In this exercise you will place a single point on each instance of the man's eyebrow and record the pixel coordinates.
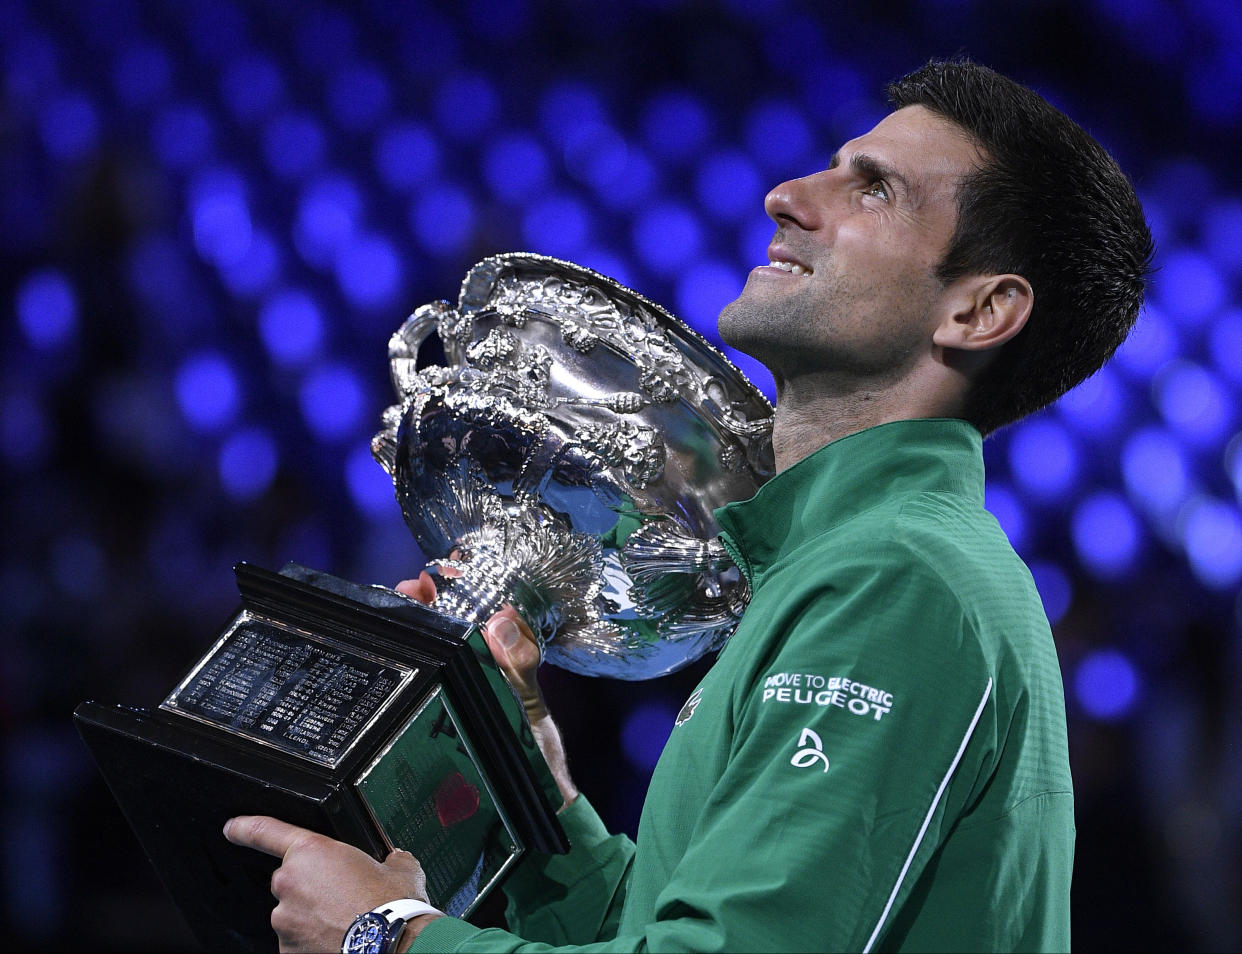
(873, 168)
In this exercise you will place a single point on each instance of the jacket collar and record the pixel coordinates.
(847, 477)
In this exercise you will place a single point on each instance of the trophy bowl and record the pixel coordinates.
(567, 459)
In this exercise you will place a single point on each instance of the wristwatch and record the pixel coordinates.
(377, 931)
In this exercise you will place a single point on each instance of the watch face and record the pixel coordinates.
(367, 935)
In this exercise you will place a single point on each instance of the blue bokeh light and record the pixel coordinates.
(1185, 187)
(252, 86)
(702, 290)
(778, 136)
(70, 126)
(359, 97)
(368, 271)
(1107, 535)
(466, 106)
(676, 125)
(291, 326)
(25, 432)
(47, 309)
(596, 154)
(32, 63)
(1150, 345)
(1222, 233)
(370, 487)
(294, 144)
(1188, 287)
(220, 216)
(557, 225)
(443, 220)
(208, 390)
(1212, 533)
(1043, 458)
(667, 236)
(1193, 402)
(327, 218)
(754, 241)
(182, 136)
(728, 185)
(1006, 506)
(142, 74)
(568, 107)
(1225, 344)
(1156, 472)
(406, 153)
(634, 187)
(1098, 406)
(333, 401)
(515, 167)
(256, 269)
(644, 733)
(1056, 589)
(1107, 685)
(247, 463)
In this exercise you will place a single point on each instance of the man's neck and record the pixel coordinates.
(802, 424)
(800, 432)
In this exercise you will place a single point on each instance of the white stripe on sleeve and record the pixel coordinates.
(970, 730)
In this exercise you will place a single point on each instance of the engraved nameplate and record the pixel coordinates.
(304, 694)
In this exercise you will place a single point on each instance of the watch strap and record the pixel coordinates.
(406, 909)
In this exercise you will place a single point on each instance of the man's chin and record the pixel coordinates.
(744, 326)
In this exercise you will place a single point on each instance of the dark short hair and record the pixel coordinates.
(1048, 204)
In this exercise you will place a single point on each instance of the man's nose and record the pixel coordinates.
(793, 202)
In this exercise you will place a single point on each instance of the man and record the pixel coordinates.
(877, 760)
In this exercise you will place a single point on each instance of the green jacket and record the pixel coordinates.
(877, 760)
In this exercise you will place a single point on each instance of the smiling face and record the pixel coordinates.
(849, 298)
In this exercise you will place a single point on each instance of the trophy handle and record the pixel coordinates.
(404, 344)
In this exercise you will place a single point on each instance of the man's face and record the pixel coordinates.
(850, 289)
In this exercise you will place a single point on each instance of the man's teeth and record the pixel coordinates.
(790, 267)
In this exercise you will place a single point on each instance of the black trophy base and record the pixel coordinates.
(343, 709)
(177, 799)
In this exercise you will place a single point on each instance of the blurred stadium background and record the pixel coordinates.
(213, 213)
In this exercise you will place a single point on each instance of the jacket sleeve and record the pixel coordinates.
(574, 898)
(836, 794)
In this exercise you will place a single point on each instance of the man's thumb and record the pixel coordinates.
(401, 859)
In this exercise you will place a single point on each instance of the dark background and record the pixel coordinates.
(213, 214)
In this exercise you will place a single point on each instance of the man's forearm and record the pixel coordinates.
(548, 737)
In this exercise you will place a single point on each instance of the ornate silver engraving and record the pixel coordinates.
(567, 459)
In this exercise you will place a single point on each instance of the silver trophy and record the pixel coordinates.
(567, 459)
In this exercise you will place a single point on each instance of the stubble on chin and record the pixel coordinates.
(776, 335)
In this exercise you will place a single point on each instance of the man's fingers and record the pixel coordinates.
(422, 589)
(264, 833)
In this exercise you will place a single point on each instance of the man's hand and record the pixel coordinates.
(323, 884)
(514, 647)
(508, 637)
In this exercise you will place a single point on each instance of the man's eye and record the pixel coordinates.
(878, 189)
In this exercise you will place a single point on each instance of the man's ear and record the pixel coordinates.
(984, 311)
